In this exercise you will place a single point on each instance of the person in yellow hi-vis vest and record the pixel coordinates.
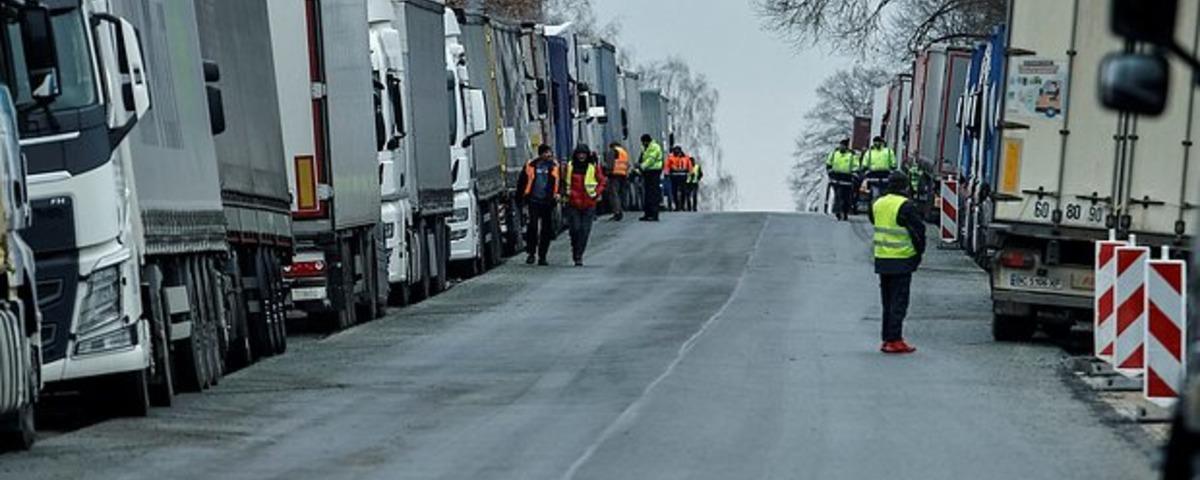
(899, 245)
(585, 187)
(840, 166)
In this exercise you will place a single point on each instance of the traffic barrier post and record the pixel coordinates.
(949, 208)
(1166, 327)
(1130, 294)
(1104, 329)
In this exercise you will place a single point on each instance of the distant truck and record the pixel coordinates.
(939, 76)
(1070, 171)
(20, 318)
(979, 119)
(325, 102)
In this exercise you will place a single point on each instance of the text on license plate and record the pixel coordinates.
(308, 294)
(1017, 280)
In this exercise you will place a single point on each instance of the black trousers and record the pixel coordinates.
(679, 191)
(539, 232)
(843, 200)
(894, 290)
(616, 194)
(652, 188)
(691, 197)
(579, 223)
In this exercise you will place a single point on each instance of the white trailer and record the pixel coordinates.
(1069, 170)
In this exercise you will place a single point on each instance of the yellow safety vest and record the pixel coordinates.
(880, 160)
(891, 240)
(694, 175)
(590, 183)
(841, 162)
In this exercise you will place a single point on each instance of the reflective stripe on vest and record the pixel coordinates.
(621, 164)
(892, 241)
(589, 179)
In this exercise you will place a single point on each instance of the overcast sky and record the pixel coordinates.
(765, 86)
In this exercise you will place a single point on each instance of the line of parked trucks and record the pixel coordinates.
(181, 176)
(1044, 170)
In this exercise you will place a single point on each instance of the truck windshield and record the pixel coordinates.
(75, 62)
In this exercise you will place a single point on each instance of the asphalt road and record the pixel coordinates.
(735, 346)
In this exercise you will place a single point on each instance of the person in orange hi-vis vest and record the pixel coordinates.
(677, 168)
(618, 180)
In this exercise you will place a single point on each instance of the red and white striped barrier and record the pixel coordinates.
(1130, 294)
(1166, 327)
(1104, 329)
(949, 210)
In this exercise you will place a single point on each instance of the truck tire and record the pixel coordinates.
(1008, 328)
(278, 303)
(367, 309)
(399, 296)
(17, 430)
(1182, 452)
(442, 239)
(162, 385)
(129, 395)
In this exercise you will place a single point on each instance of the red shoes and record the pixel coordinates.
(898, 347)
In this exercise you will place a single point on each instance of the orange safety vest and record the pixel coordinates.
(531, 174)
(621, 164)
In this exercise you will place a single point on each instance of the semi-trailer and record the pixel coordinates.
(1069, 171)
(320, 50)
(20, 318)
(633, 127)
(255, 194)
(938, 77)
(514, 114)
(979, 121)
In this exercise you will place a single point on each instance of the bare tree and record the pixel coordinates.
(840, 98)
(693, 110)
(889, 30)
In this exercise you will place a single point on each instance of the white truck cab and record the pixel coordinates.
(87, 237)
(470, 112)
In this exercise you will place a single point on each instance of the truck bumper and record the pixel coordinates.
(1041, 299)
(74, 367)
(464, 230)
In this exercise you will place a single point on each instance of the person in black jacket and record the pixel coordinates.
(899, 246)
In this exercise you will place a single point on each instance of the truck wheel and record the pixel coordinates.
(443, 258)
(131, 395)
(277, 293)
(162, 383)
(366, 307)
(1008, 328)
(1182, 452)
(399, 296)
(17, 430)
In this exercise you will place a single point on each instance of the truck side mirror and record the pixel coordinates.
(216, 110)
(477, 103)
(1135, 83)
(41, 53)
(1145, 21)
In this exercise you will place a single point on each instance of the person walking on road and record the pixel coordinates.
(651, 166)
(618, 181)
(899, 246)
(678, 166)
(540, 183)
(840, 166)
(693, 186)
(585, 187)
(879, 162)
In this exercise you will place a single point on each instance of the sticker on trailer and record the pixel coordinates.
(1129, 350)
(1166, 327)
(1104, 301)
(1037, 88)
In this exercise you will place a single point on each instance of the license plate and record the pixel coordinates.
(1017, 280)
(308, 294)
(1083, 281)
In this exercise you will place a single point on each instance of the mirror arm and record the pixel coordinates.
(1192, 62)
(117, 135)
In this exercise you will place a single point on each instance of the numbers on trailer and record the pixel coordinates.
(1095, 214)
(1041, 209)
(1074, 211)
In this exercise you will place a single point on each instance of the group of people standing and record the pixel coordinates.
(586, 181)
(846, 168)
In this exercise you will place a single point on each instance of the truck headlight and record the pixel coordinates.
(102, 304)
(119, 338)
(456, 235)
(460, 215)
(389, 231)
